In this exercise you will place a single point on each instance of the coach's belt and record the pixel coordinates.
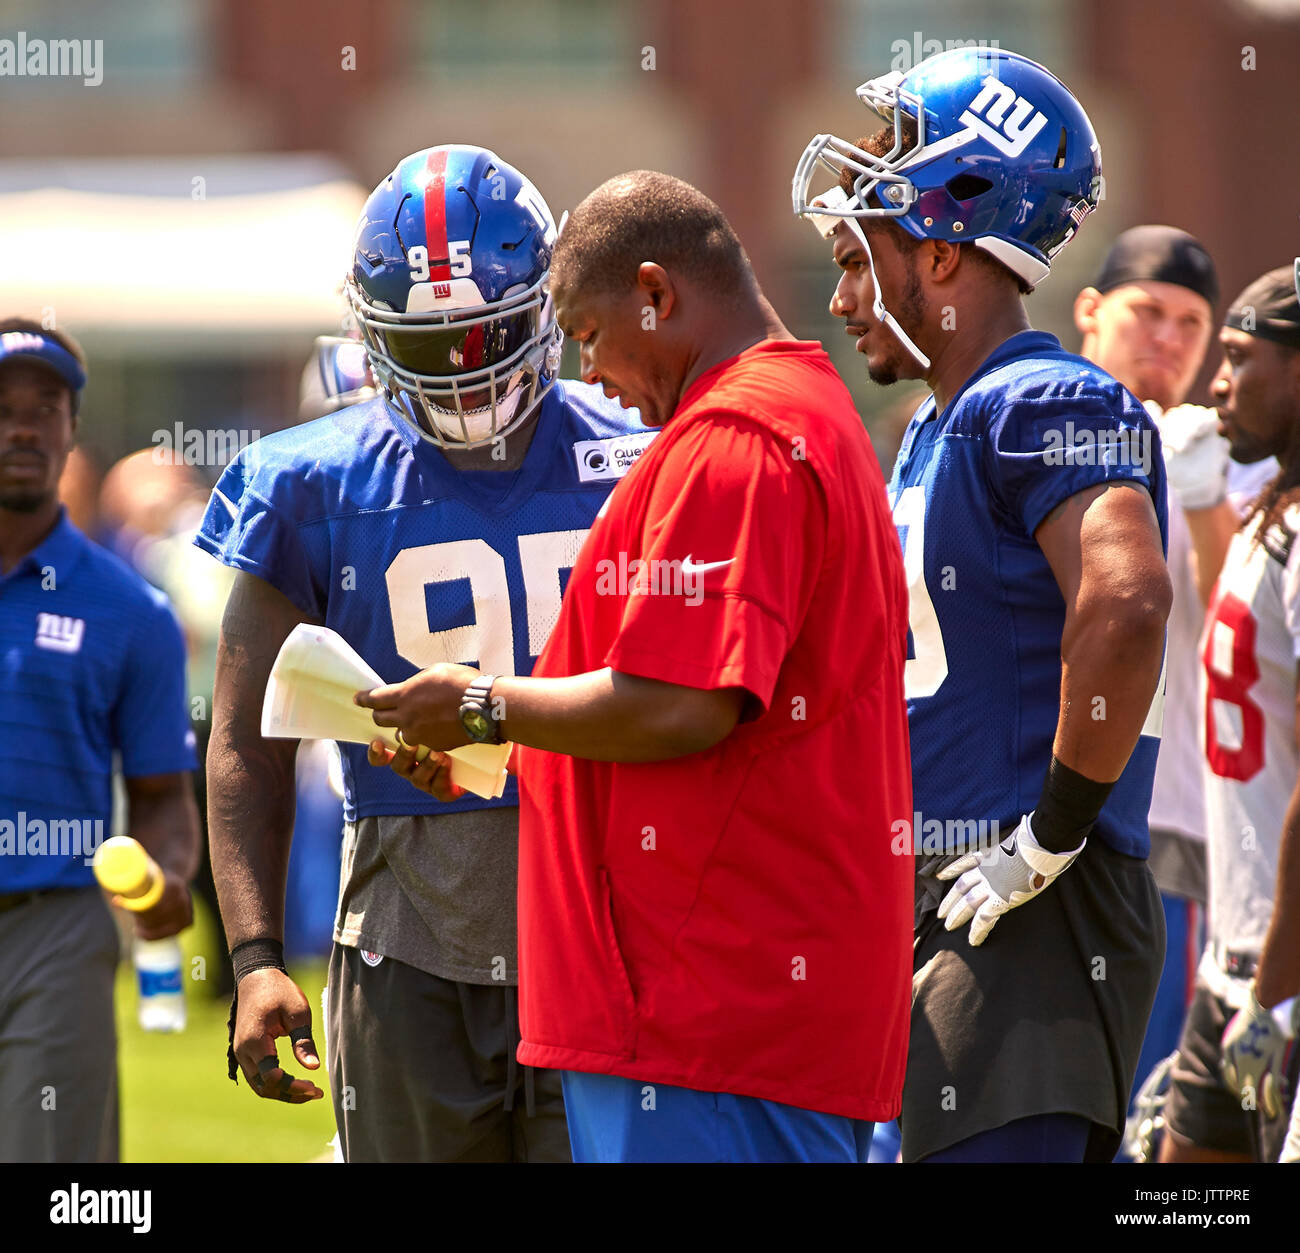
(11, 900)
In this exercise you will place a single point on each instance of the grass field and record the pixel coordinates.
(177, 1104)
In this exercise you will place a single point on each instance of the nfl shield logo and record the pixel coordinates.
(371, 959)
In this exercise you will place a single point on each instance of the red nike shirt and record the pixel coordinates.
(734, 920)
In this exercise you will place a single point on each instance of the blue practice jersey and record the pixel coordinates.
(1033, 426)
(368, 529)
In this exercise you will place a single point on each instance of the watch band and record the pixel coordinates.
(476, 711)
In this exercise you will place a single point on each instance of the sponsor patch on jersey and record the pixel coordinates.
(600, 459)
(371, 959)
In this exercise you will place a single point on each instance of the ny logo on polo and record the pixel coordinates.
(59, 634)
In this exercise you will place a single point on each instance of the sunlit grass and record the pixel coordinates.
(177, 1103)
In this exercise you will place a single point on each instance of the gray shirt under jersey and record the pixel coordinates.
(436, 892)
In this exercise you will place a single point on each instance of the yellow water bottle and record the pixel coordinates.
(124, 868)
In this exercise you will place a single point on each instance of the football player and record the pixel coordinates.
(1232, 1080)
(434, 522)
(1147, 321)
(1029, 496)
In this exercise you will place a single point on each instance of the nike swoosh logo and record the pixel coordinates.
(689, 566)
(225, 500)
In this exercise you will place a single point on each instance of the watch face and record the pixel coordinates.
(476, 724)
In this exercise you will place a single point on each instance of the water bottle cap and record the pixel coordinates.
(124, 868)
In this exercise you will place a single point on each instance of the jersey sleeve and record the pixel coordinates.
(1043, 449)
(251, 524)
(734, 534)
(150, 720)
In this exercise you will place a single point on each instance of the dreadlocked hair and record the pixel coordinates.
(1280, 492)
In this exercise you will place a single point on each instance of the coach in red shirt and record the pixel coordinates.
(715, 924)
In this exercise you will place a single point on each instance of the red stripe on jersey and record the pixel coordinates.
(435, 216)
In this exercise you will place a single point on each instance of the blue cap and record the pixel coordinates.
(42, 348)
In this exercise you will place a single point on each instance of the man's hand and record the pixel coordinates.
(271, 1005)
(1196, 455)
(995, 880)
(423, 768)
(172, 914)
(426, 708)
(1255, 1051)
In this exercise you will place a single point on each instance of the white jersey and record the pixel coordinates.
(1178, 794)
(1249, 651)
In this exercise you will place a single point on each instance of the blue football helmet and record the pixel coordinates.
(1005, 157)
(448, 286)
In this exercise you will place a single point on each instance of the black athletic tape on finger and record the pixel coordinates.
(258, 954)
(232, 1063)
(300, 1033)
(267, 1064)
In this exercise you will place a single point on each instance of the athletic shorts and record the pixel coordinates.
(1047, 1016)
(612, 1119)
(422, 1069)
(1200, 1108)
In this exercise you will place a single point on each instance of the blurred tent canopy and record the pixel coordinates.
(200, 254)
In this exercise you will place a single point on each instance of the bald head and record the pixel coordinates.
(648, 216)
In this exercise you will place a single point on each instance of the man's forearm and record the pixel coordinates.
(1110, 667)
(167, 825)
(1278, 975)
(250, 829)
(606, 716)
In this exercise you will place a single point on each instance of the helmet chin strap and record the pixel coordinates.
(878, 305)
(830, 201)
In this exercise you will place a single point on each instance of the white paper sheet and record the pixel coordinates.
(309, 696)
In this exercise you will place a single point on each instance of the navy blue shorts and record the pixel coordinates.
(628, 1120)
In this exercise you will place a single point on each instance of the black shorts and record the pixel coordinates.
(1047, 1016)
(1200, 1108)
(422, 1069)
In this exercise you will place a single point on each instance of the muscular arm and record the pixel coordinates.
(1104, 548)
(1278, 975)
(250, 779)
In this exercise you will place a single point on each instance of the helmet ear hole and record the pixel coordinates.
(967, 186)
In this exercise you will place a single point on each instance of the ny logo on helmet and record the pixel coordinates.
(1010, 135)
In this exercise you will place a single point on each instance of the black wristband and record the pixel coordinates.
(1067, 808)
(261, 954)
(256, 955)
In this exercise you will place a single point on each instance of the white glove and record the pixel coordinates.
(1255, 1046)
(1196, 455)
(998, 879)
(1291, 1149)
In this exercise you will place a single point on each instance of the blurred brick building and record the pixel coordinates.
(1194, 102)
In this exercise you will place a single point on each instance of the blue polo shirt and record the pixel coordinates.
(92, 662)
